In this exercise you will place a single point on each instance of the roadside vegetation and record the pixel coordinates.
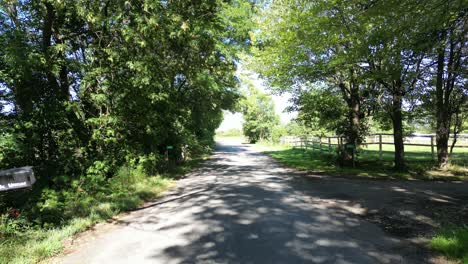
(59, 215)
(354, 66)
(258, 112)
(453, 243)
(107, 101)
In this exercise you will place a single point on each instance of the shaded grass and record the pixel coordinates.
(420, 163)
(453, 243)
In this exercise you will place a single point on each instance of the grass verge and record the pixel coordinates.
(453, 243)
(420, 165)
(23, 241)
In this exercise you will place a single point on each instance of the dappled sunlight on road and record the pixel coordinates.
(241, 207)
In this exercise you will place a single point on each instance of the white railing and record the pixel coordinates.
(328, 143)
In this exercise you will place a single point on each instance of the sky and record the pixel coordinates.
(235, 120)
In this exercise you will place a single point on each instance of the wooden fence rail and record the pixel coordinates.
(316, 143)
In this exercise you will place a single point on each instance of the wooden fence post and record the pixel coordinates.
(329, 145)
(340, 144)
(380, 146)
(320, 144)
(432, 147)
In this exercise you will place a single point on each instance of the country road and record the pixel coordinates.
(242, 207)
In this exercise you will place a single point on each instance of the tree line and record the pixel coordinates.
(354, 63)
(87, 86)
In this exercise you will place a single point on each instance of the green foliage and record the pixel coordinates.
(453, 243)
(87, 87)
(316, 111)
(298, 128)
(93, 92)
(259, 115)
(38, 232)
(277, 132)
(10, 227)
(373, 62)
(314, 58)
(10, 148)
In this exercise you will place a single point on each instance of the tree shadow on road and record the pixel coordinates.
(255, 211)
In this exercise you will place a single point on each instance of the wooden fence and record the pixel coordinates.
(328, 144)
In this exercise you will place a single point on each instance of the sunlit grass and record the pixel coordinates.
(35, 244)
(453, 243)
(368, 164)
(415, 153)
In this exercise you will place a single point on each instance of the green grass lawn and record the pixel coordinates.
(413, 154)
(419, 161)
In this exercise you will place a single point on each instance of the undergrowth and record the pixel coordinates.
(36, 232)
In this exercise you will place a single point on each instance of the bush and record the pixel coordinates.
(11, 226)
(277, 133)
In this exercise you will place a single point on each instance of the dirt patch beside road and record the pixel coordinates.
(409, 210)
(418, 217)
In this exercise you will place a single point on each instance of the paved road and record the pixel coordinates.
(241, 207)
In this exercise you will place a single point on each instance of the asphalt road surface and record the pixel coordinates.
(242, 207)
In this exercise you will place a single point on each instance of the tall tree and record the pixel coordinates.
(451, 90)
(304, 45)
(88, 86)
(259, 114)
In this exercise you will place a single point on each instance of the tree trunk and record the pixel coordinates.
(354, 115)
(352, 98)
(442, 115)
(397, 119)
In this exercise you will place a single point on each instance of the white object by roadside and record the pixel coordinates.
(17, 178)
